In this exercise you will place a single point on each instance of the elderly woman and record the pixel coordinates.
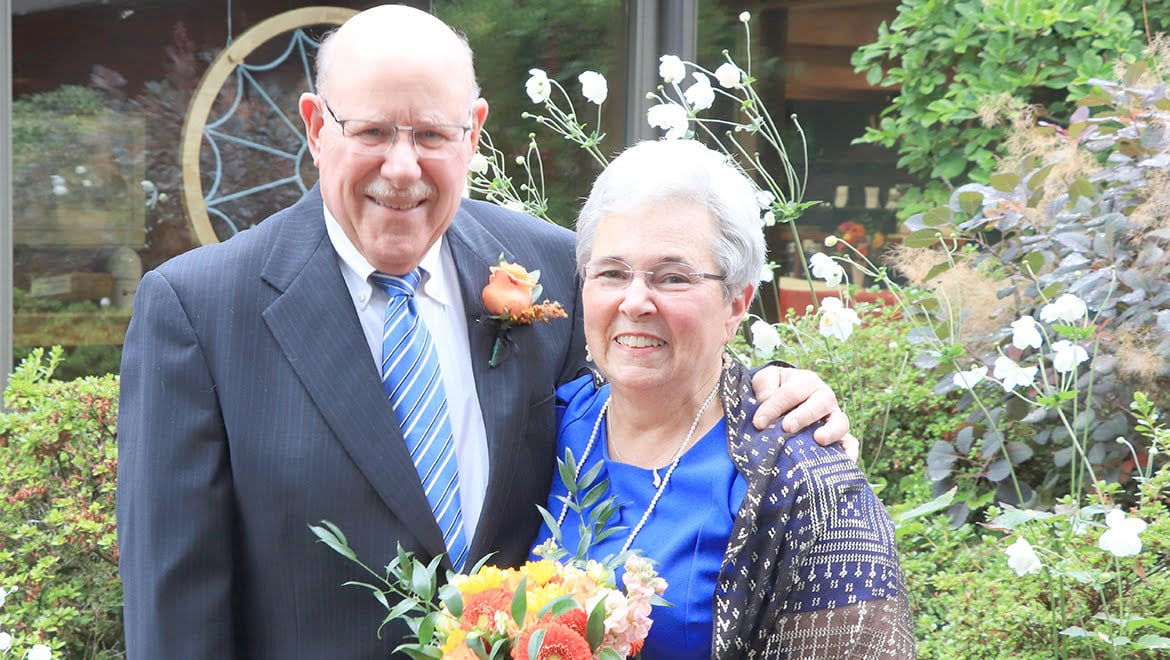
(772, 545)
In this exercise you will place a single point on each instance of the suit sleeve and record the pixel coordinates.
(174, 511)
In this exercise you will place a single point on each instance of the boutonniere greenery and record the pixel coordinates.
(509, 299)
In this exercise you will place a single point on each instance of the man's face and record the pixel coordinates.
(392, 204)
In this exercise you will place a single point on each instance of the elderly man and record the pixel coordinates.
(263, 390)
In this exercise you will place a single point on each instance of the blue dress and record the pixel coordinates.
(686, 534)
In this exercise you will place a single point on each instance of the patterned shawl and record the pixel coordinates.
(811, 569)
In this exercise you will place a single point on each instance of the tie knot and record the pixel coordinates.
(398, 285)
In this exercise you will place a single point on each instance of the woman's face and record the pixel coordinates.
(646, 337)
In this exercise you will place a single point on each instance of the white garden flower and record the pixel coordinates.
(970, 378)
(3, 596)
(766, 274)
(39, 652)
(1067, 355)
(765, 339)
(1013, 375)
(671, 69)
(700, 95)
(745, 16)
(671, 118)
(1026, 333)
(765, 199)
(1122, 536)
(1067, 308)
(80, 169)
(60, 189)
(1022, 558)
(593, 87)
(826, 268)
(831, 241)
(769, 219)
(837, 320)
(478, 164)
(5, 641)
(728, 75)
(538, 86)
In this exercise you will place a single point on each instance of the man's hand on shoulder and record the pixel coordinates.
(803, 398)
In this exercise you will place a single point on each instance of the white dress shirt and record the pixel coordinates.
(440, 303)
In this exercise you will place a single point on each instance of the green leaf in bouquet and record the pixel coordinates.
(659, 601)
(480, 564)
(330, 535)
(405, 564)
(377, 591)
(422, 579)
(587, 479)
(568, 470)
(557, 606)
(450, 597)
(595, 626)
(520, 601)
(608, 532)
(419, 652)
(551, 521)
(475, 641)
(610, 654)
(594, 494)
(405, 605)
(534, 644)
(426, 628)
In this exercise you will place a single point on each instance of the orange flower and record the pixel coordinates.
(480, 608)
(560, 643)
(509, 289)
(574, 619)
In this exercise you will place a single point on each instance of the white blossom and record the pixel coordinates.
(1022, 558)
(1067, 308)
(831, 241)
(1013, 375)
(5, 641)
(766, 274)
(826, 268)
(3, 596)
(39, 652)
(769, 219)
(837, 320)
(147, 185)
(1122, 536)
(765, 198)
(1026, 333)
(700, 95)
(728, 75)
(670, 117)
(593, 87)
(671, 69)
(478, 164)
(80, 169)
(60, 189)
(1067, 355)
(745, 16)
(538, 86)
(970, 378)
(765, 338)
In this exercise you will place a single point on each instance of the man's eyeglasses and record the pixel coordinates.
(666, 277)
(434, 141)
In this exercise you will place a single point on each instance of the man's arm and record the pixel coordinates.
(806, 399)
(174, 494)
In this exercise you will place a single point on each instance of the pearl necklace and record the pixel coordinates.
(675, 458)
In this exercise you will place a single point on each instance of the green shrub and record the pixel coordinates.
(892, 408)
(59, 549)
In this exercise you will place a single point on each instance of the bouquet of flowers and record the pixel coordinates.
(551, 608)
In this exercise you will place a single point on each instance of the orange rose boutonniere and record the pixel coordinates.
(508, 298)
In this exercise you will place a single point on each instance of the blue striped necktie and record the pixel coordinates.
(414, 383)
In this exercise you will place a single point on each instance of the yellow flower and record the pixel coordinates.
(488, 577)
(454, 641)
(540, 572)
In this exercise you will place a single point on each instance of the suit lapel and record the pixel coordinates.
(475, 250)
(333, 366)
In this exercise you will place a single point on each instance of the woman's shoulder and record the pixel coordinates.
(578, 398)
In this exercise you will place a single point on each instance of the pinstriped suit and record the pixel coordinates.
(250, 408)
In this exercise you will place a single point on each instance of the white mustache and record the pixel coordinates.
(380, 189)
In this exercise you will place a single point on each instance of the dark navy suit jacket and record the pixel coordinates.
(250, 408)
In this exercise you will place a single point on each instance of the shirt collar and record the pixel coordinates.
(357, 270)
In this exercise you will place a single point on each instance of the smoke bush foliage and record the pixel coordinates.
(1082, 209)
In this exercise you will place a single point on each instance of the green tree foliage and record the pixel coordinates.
(959, 65)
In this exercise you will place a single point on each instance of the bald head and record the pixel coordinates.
(393, 35)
